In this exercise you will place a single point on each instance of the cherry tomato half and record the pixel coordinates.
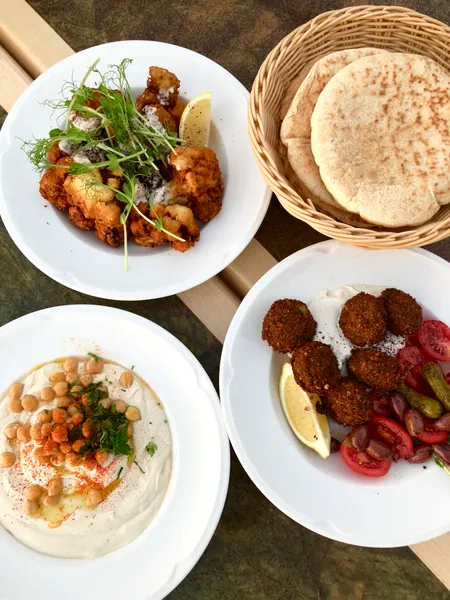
(432, 435)
(411, 356)
(434, 337)
(393, 434)
(412, 339)
(362, 463)
(415, 380)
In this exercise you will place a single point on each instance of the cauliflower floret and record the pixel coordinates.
(86, 190)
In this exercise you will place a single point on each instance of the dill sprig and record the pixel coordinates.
(127, 139)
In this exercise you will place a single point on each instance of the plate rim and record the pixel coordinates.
(326, 246)
(122, 295)
(183, 568)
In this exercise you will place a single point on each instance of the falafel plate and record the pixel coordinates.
(335, 391)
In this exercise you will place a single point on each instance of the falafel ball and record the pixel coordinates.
(348, 402)
(315, 367)
(404, 313)
(363, 319)
(287, 324)
(375, 368)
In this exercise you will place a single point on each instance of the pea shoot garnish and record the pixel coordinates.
(151, 448)
(139, 466)
(105, 121)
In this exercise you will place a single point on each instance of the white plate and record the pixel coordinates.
(152, 565)
(407, 506)
(76, 258)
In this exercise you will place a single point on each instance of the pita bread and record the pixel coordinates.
(293, 87)
(296, 127)
(381, 138)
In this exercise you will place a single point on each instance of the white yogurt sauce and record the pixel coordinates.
(152, 118)
(127, 510)
(326, 309)
(90, 124)
(163, 95)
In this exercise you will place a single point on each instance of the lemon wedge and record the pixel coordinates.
(299, 407)
(195, 121)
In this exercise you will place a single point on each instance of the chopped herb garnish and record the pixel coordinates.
(108, 381)
(165, 420)
(139, 466)
(151, 448)
(132, 367)
(439, 462)
(94, 356)
(119, 473)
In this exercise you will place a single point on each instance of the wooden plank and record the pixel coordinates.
(248, 267)
(28, 38)
(13, 80)
(213, 302)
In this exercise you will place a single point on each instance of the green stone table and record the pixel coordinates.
(257, 553)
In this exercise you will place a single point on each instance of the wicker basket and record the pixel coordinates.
(392, 28)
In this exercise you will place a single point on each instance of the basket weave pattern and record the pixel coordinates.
(392, 28)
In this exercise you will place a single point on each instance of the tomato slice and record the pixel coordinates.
(392, 433)
(362, 463)
(432, 435)
(434, 337)
(414, 379)
(412, 339)
(410, 357)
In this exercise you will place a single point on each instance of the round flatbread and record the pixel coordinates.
(293, 87)
(296, 127)
(381, 138)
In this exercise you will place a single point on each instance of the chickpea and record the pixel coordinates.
(89, 463)
(51, 448)
(86, 379)
(94, 366)
(72, 409)
(47, 394)
(72, 377)
(65, 447)
(61, 388)
(57, 459)
(30, 507)
(120, 405)
(63, 401)
(101, 457)
(69, 365)
(23, 433)
(56, 376)
(76, 389)
(130, 430)
(59, 415)
(45, 416)
(40, 456)
(51, 500)
(106, 403)
(78, 445)
(59, 434)
(70, 426)
(72, 459)
(77, 418)
(54, 487)
(7, 459)
(126, 379)
(15, 391)
(33, 492)
(93, 498)
(11, 430)
(86, 429)
(46, 429)
(30, 402)
(85, 400)
(15, 405)
(36, 432)
(133, 414)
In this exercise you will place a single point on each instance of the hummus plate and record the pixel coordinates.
(324, 495)
(151, 560)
